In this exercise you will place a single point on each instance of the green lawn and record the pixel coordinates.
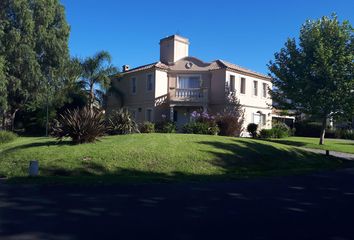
(145, 157)
(338, 145)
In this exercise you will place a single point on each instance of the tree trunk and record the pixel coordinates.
(13, 115)
(92, 97)
(323, 130)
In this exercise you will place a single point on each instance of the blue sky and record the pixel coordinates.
(247, 33)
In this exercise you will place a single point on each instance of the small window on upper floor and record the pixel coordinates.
(133, 85)
(149, 82)
(255, 88)
(265, 90)
(243, 86)
(232, 83)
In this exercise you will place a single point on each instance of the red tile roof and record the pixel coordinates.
(242, 69)
(218, 64)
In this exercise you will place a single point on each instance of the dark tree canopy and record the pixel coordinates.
(316, 75)
(33, 47)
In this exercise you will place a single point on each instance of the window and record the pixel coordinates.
(243, 86)
(148, 116)
(265, 89)
(256, 118)
(255, 88)
(232, 83)
(259, 118)
(188, 82)
(149, 82)
(133, 85)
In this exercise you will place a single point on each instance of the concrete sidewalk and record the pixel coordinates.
(347, 156)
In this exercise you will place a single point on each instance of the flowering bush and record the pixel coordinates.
(202, 117)
(201, 123)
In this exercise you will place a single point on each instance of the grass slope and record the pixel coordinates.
(143, 157)
(337, 145)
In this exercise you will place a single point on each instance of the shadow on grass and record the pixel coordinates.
(257, 156)
(39, 144)
(290, 143)
(345, 143)
(236, 159)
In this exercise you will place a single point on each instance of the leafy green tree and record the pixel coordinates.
(3, 91)
(96, 77)
(316, 75)
(34, 46)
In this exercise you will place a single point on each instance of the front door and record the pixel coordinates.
(181, 117)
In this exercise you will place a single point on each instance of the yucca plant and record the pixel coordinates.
(121, 122)
(81, 125)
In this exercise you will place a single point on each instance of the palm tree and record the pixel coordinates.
(97, 71)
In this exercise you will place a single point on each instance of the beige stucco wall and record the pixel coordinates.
(173, 49)
(217, 89)
(213, 80)
(142, 99)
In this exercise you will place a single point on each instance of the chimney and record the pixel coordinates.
(125, 68)
(173, 48)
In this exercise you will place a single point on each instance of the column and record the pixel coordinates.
(171, 113)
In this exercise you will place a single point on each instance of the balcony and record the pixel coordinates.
(194, 96)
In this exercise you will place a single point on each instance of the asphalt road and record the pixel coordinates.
(316, 206)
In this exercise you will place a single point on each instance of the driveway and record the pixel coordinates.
(316, 206)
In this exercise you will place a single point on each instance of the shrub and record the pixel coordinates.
(311, 129)
(121, 122)
(344, 134)
(200, 128)
(165, 127)
(229, 125)
(201, 123)
(230, 120)
(281, 130)
(6, 137)
(266, 133)
(252, 129)
(81, 125)
(147, 127)
(214, 130)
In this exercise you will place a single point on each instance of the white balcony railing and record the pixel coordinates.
(192, 95)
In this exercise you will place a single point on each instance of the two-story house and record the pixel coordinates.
(178, 84)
